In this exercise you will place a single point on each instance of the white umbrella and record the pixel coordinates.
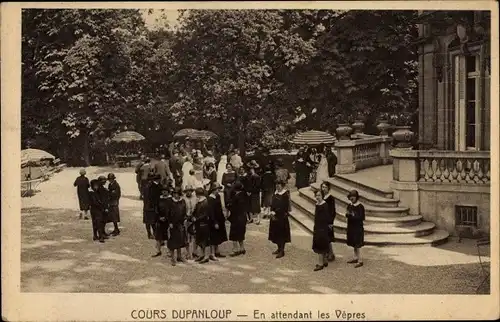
(34, 155)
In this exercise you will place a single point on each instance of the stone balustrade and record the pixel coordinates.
(361, 152)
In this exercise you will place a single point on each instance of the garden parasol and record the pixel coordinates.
(30, 156)
(313, 138)
(128, 136)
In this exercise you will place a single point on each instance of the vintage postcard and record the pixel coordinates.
(250, 161)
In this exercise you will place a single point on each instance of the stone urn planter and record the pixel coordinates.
(383, 126)
(403, 137)
(358, 127)
(344, 132)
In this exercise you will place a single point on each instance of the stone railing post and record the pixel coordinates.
(345, 157)
(384, 148)
(405, 172)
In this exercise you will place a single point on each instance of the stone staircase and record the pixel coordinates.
(387, 223)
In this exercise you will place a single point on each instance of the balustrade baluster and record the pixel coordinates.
(470, 173)
(434, 169)
(454, 173)
(480, 174)
(438, 170)
(422, 172)
(461, 170)
(446, 171)
(428, 170)
(487, 170)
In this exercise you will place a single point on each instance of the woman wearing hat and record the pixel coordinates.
(279, 226)
(238, 219)
(355, 231)
(98, 209)
(176, 216)
(218, 233)
(82, 185)
(254, 184)
(161, 232)
(114, 200)
(302, 170)
(330, 201)
(228, 180)
(152, 192)
(321, 235)
(210, 173)
(202, 224)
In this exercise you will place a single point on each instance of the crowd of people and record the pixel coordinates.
(188, 198)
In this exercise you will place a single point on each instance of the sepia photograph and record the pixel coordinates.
(256, 151)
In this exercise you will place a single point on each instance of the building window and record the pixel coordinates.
(466, 216)
(467, 102)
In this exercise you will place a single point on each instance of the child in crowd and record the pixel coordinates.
(355, 230)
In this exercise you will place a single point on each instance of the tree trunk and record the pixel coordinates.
(86, 150)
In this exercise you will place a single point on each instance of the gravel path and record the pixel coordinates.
(58, 255)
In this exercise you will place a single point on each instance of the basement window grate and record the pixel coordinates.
(466, 216)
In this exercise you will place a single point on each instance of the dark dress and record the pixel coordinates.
(279, 228)
(152, 193)
(355, 230)
(104, 197)
(321, 232)
(268, 187)
(245, 181)
(82, 185)
(176, 216)
(217, 236)
(228, 180)
(212, 176)
(302, 174)
(330, 201)
(97, 212)
(332, 162)
(202, 223)
(161, 233)
(114, 200)
(254, 183)
(238, 218)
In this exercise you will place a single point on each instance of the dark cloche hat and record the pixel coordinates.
(102, 178)
(94, 182)
(353, 193)
(111, 175)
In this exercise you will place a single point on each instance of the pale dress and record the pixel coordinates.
(322, 172)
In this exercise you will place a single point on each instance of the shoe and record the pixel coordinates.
(199, 259)
(352, 261)
(219, 255)
(204, 261)
(257, 222)
(115, 233)
(213, 258)
(162, 243)
(86, 218)
(280, 254)
(95, 238)
(276, 252)
(101, 240)
(150, 237)
(173, 263)
(243, 252)
(157, 254)
(318, 268)
(181, 260)
(325, 264)
(358, 265)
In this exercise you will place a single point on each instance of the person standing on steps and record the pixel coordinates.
(267, 187)
(355, 230)
(321, 231)
(152, 192)
(82, 185)
(114, 201)
(254, 185)
(237, 218)
(330, 201)
(279, 226)
(98, 210)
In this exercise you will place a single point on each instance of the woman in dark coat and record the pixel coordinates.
(243, 178)
(355, 230)
(332, 161)
(228, 180)
(211, 173)
(254, 183)
(114, 201)
(302, 171)
(152, 192)
(98, 210)
(161, 232)
(82, 185)
(218, 233)
(321, 231)
(330, 201)
(267, 187)
(238, 220)
(176, 216)
(202, 225)
(279, 226)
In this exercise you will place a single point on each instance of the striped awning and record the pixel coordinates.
(128, 136)
(34, 155)
(313, 138)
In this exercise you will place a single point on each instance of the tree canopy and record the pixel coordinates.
(248, 75)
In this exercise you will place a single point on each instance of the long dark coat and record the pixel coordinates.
(355, 229)
(217, 235)
(279, 227)
(98, 209)
(82, 185)
(202, 223)
(302, 174)
(161, 233)
(114, 201)
(228, 180)
(330, 201)
(254, 183)
(104, 197)
(175, 163)
(238, 218)
(332, 162)
(267, 187)
(176, 216)
(245, 181)
(152, 193)
(321, 232)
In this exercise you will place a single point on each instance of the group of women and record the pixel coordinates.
(314, 165)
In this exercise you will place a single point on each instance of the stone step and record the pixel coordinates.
(366, 197)
(306, 205)
(437, 237)
(421, 229)
(384, 193)
(341, 200)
